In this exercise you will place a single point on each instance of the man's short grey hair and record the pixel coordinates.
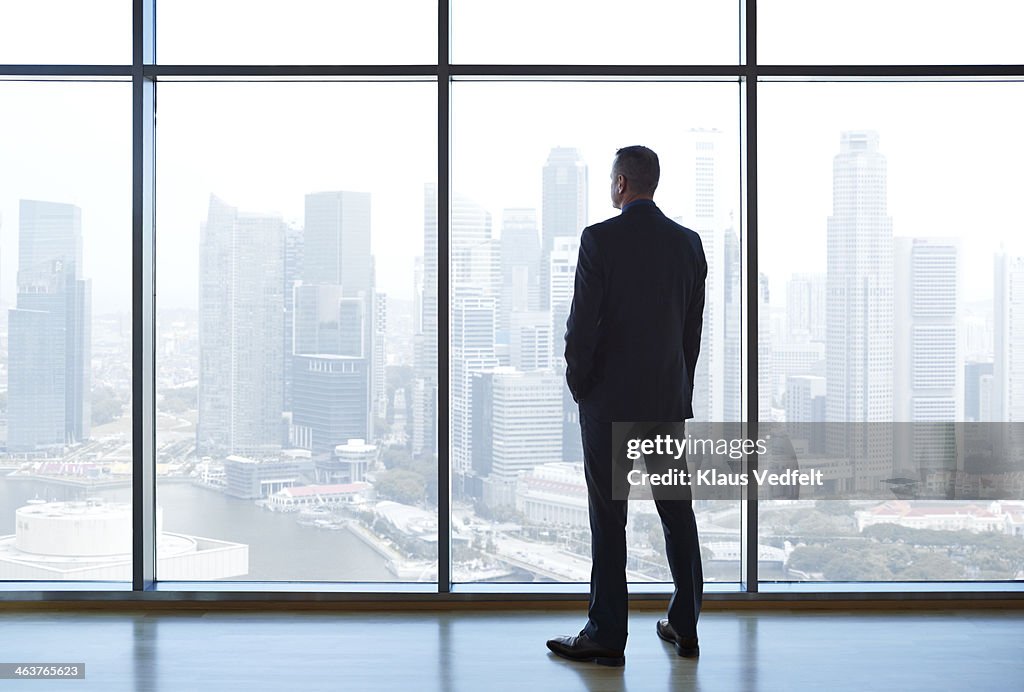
(639, 165)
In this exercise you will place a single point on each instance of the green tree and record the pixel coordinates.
(402, 486)
(932, 567)
(398, 377)
(838, 508)
(895, 557)
(818, 524)
(885, 533)
(396, 458)
(855, 567)
(811, 558)
(105, 406)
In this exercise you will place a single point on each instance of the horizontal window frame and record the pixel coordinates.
(727, 595)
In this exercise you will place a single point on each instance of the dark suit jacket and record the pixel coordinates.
(633, 333)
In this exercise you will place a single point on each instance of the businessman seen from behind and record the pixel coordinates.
(631, 347)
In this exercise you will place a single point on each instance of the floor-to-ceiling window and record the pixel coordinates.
(892, 315)
(297, 275)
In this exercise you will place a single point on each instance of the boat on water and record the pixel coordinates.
(309, 516)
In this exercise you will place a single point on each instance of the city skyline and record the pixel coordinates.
(511, 421)
(528, 220)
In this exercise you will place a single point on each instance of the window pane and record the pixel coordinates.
(520, 202)
(65, 212)
(909, 32)
(300, 32)
(888, 238)
(51, 32)
(290, 225)
(592, 32)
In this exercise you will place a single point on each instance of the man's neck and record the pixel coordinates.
(636, 201)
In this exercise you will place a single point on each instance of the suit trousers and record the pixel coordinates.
(608, 611)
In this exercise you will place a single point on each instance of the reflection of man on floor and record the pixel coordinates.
(631, 347)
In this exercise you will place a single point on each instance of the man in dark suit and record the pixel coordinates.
(631, 347)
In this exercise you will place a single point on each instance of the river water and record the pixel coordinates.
(279, 548)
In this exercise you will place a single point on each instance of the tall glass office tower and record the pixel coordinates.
(241, 333)
(49, 381)
(337, 253)
(424, 394)
(928, 366)
(859, 311)
(1008, 405)
(716, 381)
(564, 208)
(475, 288)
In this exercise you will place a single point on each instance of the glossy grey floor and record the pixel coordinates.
(495, 651)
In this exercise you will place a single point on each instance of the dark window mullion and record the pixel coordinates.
(442, 409)
(748, 521)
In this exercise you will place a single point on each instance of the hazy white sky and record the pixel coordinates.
(70, 142)
(953, 152)
(951, 147)
(502, 133)
(263, 146)
(541, 31)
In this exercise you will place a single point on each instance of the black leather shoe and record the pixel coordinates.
(685, 646)
(583, 648)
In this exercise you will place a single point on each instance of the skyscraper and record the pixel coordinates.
(328, 322)
(732, 329)
(424, 394)
(475, 261)
(561, 286)
(379, 388)
(49, 231)
(530, 341)
(562, 274)
(49, 381)
(519, 426)
(520, 265)
(294, 248)
(330, 403)
(241, 333)
(709, 217)
(474, 290)
(337, 253)
(805, 405)
(426, 317)
(330, 369)
(977, 391)
(563, 217)
(1008, 369)
(928, 367)
(337, 241)
(859, 331)
(805, 307)
(472, 344)
(564, 206)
